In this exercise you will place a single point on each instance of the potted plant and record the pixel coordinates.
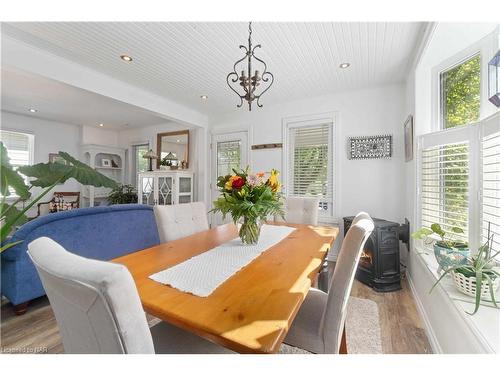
(249, 199)
(43, 175)
(122, 194)
(448, 250)
(479, 277)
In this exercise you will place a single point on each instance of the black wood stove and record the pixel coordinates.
(379, 265)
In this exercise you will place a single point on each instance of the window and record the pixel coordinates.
(490, 184)
(445, 186)
(461, 93)
(460, 180)
(310, 162)
(19, 148)
(140, 164)
(228, 157)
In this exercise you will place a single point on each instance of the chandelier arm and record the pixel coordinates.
(267, 88)
(261, 61)
(231, 87)
(234, 66)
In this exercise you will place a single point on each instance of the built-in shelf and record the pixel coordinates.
(109, 168)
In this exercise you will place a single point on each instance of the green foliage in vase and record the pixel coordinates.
(122, 194)
(482, 267)
(448, 239)
(43, 175)
(249, 196)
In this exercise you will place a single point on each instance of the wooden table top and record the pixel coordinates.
(251, 311)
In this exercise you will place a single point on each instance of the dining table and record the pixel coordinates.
(250, 312)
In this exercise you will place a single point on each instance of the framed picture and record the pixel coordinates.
(106, 163)
(56, 158)
(370, 147)
(408, 128)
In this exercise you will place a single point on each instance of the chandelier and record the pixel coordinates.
(249, 83)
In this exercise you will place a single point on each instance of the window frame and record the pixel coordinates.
(484, 48)
(315, 120)
(473, 134)
(31, 154)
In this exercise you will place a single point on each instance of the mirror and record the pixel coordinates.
(173, 150)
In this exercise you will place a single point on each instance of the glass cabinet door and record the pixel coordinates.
(146, 186)
(185, 189)
(165, 186)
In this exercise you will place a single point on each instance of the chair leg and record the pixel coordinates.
(343, 343)
(21, 308)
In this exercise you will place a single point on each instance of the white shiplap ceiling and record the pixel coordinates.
(184, 60)
(67, 104)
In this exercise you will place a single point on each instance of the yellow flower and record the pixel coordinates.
(274, 182)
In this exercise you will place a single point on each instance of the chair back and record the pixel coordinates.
(95, 303)
(180, 220)
(341, 283)
(301, 210)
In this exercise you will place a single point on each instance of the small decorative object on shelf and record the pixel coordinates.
(449, 251)
(494, 79)
(106, 163)
(170, 160)
(113, 164)
(150, 155)
(370, 147)
(479, 277)
(249, 199)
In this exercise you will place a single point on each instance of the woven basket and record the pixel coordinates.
(467, 285)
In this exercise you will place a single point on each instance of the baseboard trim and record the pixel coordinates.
(436, 348)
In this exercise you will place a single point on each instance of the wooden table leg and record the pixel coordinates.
(343, 343)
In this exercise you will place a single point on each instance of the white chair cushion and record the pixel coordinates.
(303, 210)
(180, 220)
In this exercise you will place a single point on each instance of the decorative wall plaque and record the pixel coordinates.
(370, 147)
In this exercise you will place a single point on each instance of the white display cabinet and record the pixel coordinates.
(165, 187)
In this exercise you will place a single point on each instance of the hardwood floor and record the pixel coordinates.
(36, 331)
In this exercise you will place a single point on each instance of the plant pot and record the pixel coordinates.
(450, 256)
(250, 231)
(467, 285)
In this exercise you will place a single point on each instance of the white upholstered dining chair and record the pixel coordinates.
(180, 220)
(98, 309)
(319, 324)
(301, 210)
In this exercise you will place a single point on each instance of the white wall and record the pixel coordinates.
(50, 137)
(371, 185)
(99, 136)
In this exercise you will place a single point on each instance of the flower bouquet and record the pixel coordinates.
(250, 199)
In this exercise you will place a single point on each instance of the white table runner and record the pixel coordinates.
(203, 273)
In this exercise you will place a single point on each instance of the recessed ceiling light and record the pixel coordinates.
(101, 125)
(33, 110)
(126, 58)
(204, 97)
(344, 65)
(178, 140)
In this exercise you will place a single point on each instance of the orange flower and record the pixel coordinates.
(260, 174)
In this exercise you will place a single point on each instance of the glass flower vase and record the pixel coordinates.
(250, 230)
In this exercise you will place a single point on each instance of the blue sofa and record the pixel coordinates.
(98, 232)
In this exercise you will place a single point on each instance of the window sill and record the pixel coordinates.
(484, 324)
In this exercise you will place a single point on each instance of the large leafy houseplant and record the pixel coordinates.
(249, 198)
(122, 194)
(481, 269)
(42, 175)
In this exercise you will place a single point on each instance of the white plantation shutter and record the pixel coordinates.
(19, 148)
(310, 166)
(444, 190)
(228, 157)
(490, 194)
